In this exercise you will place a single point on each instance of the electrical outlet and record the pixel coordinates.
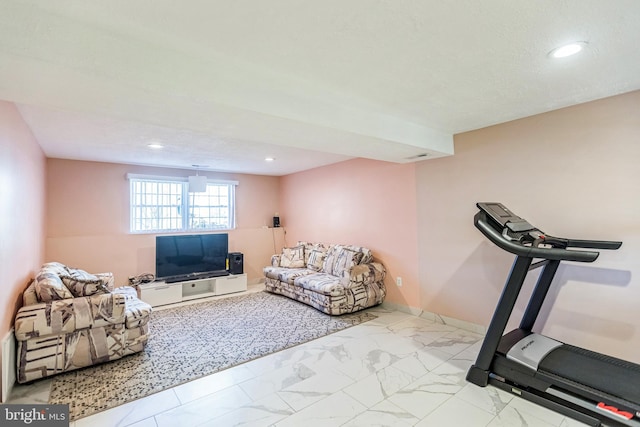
(399, 281)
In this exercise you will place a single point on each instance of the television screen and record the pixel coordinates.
(185, 255)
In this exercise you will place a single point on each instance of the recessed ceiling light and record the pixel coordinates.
(567, 50)
(269, 159)
(155, 146)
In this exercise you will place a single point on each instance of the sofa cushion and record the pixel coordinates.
(346, 260)
(83, 284)
(287, 275)
(49, 287)
(330, 259)
(68, 315)
(322, 283)
(308, 247)
(271, 272)
(98, 310)
(107, 280)
(315, 260)
(340, 259)
(275, 260)
(292, 257)
(367, 256)
(55, 267)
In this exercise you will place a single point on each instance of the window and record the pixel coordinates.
(164, 204)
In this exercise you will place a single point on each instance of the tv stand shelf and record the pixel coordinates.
(162, 293)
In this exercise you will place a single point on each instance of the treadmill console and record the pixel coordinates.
(514, 234)
(503, 216)
(512, 227)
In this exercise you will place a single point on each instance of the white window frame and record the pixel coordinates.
(185, 205)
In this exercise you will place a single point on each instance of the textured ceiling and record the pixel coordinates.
(225, 84)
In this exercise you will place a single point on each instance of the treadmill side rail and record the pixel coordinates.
(530, 350)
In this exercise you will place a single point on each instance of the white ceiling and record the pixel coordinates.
(227, 83)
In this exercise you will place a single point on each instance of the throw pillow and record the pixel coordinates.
(55, 268)
(292, 257)
(83, 284)
(367, 256)
(316, 259)
(49, 287)
(346, 258)
(308, 247)
(330, 259)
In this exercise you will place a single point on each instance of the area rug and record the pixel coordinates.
(189, 342)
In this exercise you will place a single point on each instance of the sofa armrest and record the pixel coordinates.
(69, 315)
(275, 260)
(363, 274)
(136, 311)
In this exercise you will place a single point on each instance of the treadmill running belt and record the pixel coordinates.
(603, 373)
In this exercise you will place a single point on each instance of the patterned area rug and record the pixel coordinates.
(189, 342)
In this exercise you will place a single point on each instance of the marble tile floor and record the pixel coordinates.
(397, 370)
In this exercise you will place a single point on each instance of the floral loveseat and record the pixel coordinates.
(335, 279)
(71, 319)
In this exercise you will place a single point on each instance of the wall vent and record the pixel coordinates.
(417, 156)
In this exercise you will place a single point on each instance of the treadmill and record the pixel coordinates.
(590, 387)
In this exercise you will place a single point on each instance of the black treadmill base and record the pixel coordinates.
(555, 404)
(563, 406)
(478, 376)
(553, 393)
(593, 376)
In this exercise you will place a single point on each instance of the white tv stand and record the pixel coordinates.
(162, 293)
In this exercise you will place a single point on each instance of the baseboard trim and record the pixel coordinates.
(402, 308)
(462, 324)
(8, 347)
(438, 318)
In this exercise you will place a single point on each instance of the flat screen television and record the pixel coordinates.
(181, 257)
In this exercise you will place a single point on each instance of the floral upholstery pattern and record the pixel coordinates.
(58, 335)
(343, 282)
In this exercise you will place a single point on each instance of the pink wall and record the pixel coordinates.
(361, 202)
(88, 218)
(22, 195)
(573, 172)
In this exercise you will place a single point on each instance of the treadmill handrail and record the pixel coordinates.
(498, 239)
(594, 244)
